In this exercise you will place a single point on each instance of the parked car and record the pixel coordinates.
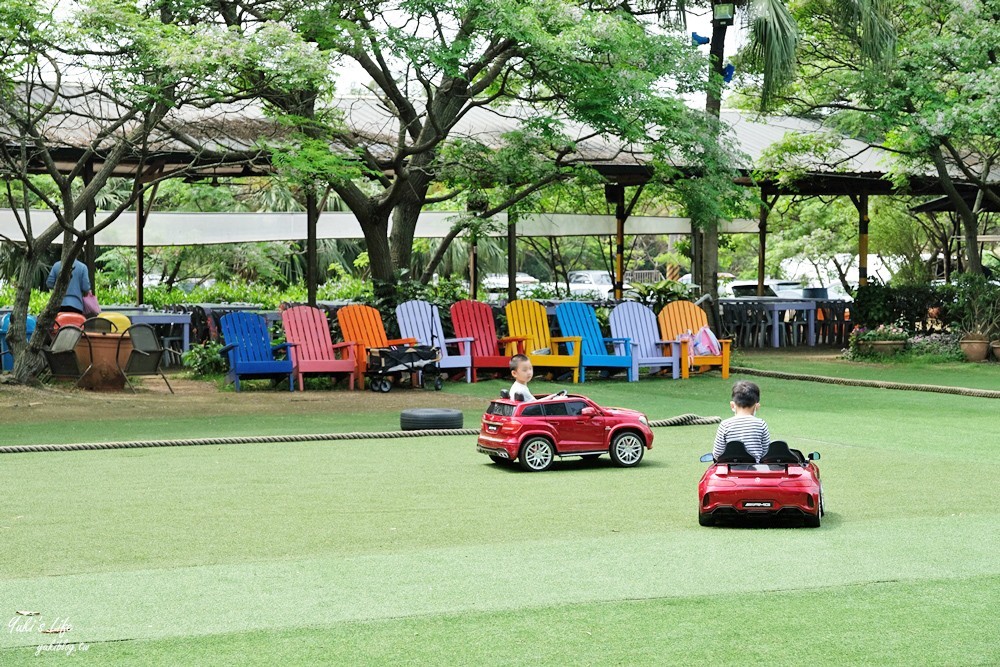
(598, 283)
(789, 289)
(535, 432)
(783, 485)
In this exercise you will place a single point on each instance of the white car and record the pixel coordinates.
(598, 283)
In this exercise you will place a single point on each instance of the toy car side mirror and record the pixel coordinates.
(706, 458)
(813, 456)
(588, 411)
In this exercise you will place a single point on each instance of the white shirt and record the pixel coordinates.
(518, 388)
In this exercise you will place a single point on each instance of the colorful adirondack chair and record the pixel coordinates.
(315, 352)
(422, 320)
(474, 319)
(249, 349)
(637, 322)
(579, 319)
(527, 318)
(683, 317)
(362, 325)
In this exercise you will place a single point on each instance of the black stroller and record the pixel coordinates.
(405, 359)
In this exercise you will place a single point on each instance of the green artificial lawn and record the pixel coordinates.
(421, 551)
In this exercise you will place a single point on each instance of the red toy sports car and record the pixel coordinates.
(536, 432)
(784, 485)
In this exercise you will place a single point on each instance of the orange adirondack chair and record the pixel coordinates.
(315, 352)
(683, 317)
(527, 318)
(474, 319)
(362, 326)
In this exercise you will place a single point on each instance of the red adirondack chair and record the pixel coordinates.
(314, 352)
(474, 319)
(362, 326)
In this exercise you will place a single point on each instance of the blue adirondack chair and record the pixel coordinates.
(422, 320)
(579, 319)
(249, 349)
(636, 321)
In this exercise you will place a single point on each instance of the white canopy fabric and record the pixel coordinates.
(168, 229)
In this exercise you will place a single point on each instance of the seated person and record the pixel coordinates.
(745, 426)
(522, 372)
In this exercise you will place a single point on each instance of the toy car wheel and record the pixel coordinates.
(705, 519)
(627, 449)
(537, 455)
(499, 459)
(385, 386)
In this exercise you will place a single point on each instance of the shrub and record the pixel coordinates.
(205, 359)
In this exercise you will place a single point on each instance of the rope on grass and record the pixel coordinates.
(902, 386)
(680, 420)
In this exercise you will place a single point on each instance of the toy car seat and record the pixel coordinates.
(735, 452)
(779, 453)
(504, 393)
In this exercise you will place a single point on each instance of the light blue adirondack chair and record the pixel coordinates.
(579, 319)
(636, 321)
(422, 320)
(249, 349)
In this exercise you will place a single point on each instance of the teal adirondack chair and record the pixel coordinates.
(579, 319)
(422, 320)
(636, 321)
(250, 352)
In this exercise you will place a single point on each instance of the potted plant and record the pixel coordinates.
(885, 339)
(978, 314)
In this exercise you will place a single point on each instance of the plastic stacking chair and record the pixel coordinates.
(146, 355)
(61, 354)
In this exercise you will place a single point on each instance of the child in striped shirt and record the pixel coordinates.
(745, 426)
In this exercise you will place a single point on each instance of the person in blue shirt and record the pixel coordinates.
(79, 285)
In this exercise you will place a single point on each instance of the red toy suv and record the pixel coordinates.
(561, 424)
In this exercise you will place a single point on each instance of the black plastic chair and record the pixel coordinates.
(99, 325)
(779, 453)
(61, 353)
(735, 452)
(146, 355)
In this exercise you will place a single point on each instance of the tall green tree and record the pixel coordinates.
(550, 68)
(83, 92)
(936, 108)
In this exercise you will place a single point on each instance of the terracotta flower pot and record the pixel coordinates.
(975, 349)
(995, 346)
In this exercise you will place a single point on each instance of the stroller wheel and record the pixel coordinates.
(438, 383)
(373, 384)
(385, 386)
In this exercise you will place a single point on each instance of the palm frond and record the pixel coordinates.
(868, 23)
(773, 43)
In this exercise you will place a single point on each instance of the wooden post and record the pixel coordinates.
(765, 210)
(312, 219)
(512, 256)
(615, 194)
(89, 254)
(861, 203)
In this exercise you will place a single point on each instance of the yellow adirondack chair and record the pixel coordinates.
(526, 318)
(683, 317)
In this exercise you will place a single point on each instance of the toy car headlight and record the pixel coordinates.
(643, 420)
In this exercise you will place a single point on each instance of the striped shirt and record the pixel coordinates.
(749, 430)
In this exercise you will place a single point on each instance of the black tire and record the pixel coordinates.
(705, 519)
(499, 459)
(627, 448)
(537, 454)
(438, 383)
(416, 419)
(385, 386)
(590, 457)
(373, 384)
(812, 520)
